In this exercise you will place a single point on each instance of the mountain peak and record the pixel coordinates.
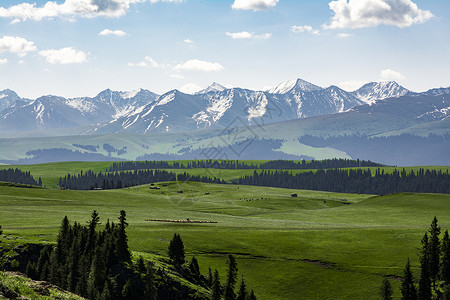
(213, 87)
(372, 91)
(296, 84)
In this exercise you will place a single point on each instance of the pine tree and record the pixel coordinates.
(140, 265)
(176, 250)
(434, 250)
(407, 288)
(1, 231)
(216, 288)
(210, 277)
(122, 252)
(150, 289)
(251, 296)
(386, 290)
(242, 293)
(445, 263)
(231, 278)
(194, 268)
(424, 281)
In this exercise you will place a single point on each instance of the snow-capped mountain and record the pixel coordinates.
(299, 84)
(142, 111)
(438, 91)
(219, 108)
(9, 98)
(213, 87)
(373, 91)
(50, 112)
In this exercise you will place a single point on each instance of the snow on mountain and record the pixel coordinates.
(438, 91)
(49, 112)
(373, 91)
(8, 98)
(213, 87)
(297, 84)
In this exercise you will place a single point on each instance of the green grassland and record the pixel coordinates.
(319, 245)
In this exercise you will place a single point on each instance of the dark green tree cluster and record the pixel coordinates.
(228, 291)
(18, 176)
(93, 263)
(318, 164)
(90, 180)
(355, 181)
(434, 258)
(236, 164)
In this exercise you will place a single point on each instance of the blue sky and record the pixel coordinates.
(80, 47)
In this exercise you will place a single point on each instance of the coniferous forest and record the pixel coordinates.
(434, 278)
(97, 264)
(18, 176)
(90, 180)
(236, 164)
(355, 181)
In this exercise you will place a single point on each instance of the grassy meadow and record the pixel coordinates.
(319, 245)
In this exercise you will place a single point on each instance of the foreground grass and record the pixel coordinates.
(318, 245)
(31, 289)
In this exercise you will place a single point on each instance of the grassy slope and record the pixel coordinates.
(275, 238)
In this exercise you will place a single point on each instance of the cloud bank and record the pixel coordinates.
(254, 5)
(17, 45)
(71, 8)
(371, 13)
(66, 55)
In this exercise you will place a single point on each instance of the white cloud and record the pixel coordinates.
(15, 44)
(70, 8)
(199, 65)
(147, 62)
(304, 28)
(254, 5)
(188, 41)
(190, 88)
(66, 55)
(389, 74)
(352, 85)
(344, 35)
(107, 32)
(3, 61)
(370, 13)
(247, 35)
(21, 62)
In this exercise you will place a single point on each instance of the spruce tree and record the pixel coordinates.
(251, 296)
(176, 250)
(216, 288)
(434, 250)
(194, 268)
(386, 290)
(424, 281)
(1, 231)
(210, 277)
(445, 263)
(407, 288)
(150, 289)
(122, 252)
(242, 293)
(231, 278)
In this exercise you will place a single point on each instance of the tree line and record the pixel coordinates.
(236, 164)
(434, 276)
(354, 181)
(97, 264)
(90, 180)
(18, 176)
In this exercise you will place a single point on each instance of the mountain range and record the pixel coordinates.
(143, 111)
(381, 121)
